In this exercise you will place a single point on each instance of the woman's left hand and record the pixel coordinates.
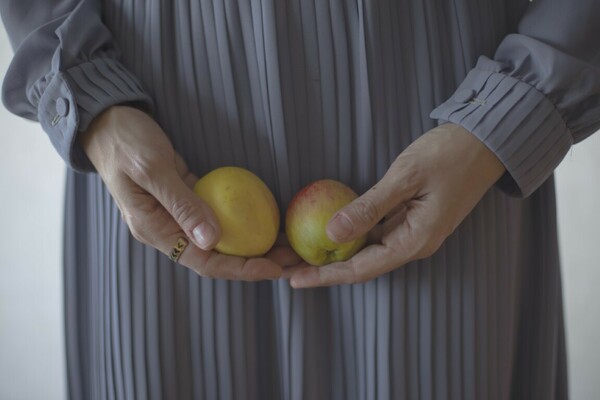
(426, 193)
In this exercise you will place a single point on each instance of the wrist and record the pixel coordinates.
(482, 164)
(97, 140)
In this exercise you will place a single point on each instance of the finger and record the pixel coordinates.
(194, 216)
(367, 264)
(290, 269)
(219, 266)
(211, 264)
(288, 272)
(160, 231)
(360, 216)
(152, 224)
(395, 244)
(215, 265)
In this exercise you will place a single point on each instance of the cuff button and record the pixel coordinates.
(62, 106)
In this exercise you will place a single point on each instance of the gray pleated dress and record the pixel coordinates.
(295, 91)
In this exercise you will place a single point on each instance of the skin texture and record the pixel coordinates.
(426, 193)
(423, 197)
(152, 187)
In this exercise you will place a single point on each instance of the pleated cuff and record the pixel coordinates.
(514, 120)
(74, 97)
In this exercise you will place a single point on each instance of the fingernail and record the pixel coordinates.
(204, 234)
(305, 278)
(300, 283)
(296, 283)
(340, 227)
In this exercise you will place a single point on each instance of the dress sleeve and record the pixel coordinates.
(538, 95)
(65, 70)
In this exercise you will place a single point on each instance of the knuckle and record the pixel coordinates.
(136, 226)
(199, 271)
(203, 272)
(136, 235)
(407, 172)
(184, 212)
(203, 267)
(367, 211)
(357, 275)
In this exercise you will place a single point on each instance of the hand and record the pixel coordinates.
(427, 192)
(151, 185)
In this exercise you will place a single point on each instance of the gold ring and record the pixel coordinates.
(179, 247)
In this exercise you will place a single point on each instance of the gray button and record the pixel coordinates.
(464, 96)
(62, 106)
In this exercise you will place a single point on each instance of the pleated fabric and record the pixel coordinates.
(295, 91)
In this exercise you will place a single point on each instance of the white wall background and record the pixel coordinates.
(578, 198)
(31, 196)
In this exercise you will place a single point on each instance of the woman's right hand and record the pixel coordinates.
(152, 187)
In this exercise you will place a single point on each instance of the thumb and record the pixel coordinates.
(361, 215)
(192, 214)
